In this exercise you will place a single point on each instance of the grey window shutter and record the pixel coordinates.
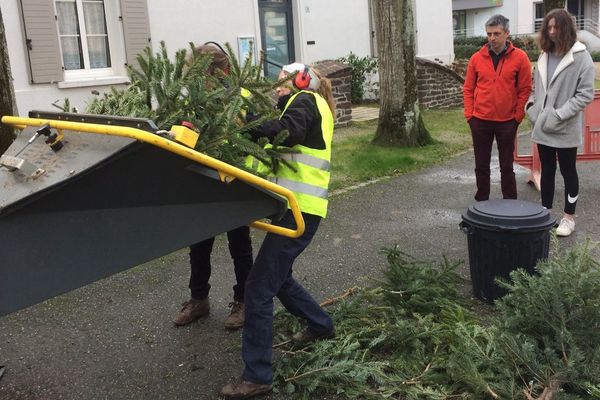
(41, 40)
(136, 28)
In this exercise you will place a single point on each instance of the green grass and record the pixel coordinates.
(355, 159)
(597, 84)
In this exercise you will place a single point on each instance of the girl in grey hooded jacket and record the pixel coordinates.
(564, 85)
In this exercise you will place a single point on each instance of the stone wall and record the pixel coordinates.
(438, 85)
(340, 75)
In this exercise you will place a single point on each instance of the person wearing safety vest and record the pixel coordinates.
(307, 110)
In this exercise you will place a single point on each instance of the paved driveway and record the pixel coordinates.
(114, 339)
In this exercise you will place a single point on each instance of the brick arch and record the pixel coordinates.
(438, 85)
(340, 75)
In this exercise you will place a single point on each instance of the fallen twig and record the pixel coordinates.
(296, 377)
(415, 380)
(547, 393)
(492, 393)
(332, 300)
(281, 344)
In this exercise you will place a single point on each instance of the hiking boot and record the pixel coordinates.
(236, 317)
(241, 389)
(191, 310)
(566, 227)
(306, 336)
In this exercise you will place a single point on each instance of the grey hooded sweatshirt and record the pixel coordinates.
(555, 107)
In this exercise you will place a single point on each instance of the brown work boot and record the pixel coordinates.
(306, 336)
(241, 389)
(191, 310)
(236, 317)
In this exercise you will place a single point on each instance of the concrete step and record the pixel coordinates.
(361, 113)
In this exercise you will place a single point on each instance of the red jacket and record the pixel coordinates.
(501, 94)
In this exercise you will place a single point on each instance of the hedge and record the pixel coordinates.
(465, 47)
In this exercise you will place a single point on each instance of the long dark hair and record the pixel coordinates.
(566, 32)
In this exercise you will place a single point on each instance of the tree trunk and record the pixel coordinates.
(7, 97)
(400, 120)
(552, 4)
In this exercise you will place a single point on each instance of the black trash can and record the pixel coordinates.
(504, 235)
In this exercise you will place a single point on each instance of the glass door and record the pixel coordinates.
(538, 16)
(276, 34)
(575, 7)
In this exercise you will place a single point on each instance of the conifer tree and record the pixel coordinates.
(171, 91)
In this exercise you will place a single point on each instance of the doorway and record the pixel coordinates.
(576, 8)
(277, 34)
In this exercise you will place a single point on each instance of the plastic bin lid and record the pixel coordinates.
(507, 214)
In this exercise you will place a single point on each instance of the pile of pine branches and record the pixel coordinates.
(170, 91)
(415, 336)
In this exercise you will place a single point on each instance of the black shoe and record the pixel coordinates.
(306, 336)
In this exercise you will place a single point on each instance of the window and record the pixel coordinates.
(538, 16)
(83, 42)
(459, 23)
(83, 34)
(576, 8)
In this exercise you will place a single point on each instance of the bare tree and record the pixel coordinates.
(400, 120)
(7, 95)
(552, 4)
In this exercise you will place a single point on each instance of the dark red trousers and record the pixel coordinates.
(483, 133)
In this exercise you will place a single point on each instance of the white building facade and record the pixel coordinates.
(72, 48)
(469, 16)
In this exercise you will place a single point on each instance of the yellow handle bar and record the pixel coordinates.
(183, 151)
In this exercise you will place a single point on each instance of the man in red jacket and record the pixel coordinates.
(497, 86)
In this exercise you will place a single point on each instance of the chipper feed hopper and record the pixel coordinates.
(83, 197)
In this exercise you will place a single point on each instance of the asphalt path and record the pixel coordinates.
(114, 339)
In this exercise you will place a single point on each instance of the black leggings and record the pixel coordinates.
(566, 160)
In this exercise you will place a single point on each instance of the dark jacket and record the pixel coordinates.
(301, 119)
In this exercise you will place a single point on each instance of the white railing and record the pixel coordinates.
(464, 32)
(583, 24)
(588, 25)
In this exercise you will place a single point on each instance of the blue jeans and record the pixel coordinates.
(271, 276)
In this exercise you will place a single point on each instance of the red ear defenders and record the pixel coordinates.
(306, 79)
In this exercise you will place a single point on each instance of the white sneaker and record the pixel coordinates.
(566, 227)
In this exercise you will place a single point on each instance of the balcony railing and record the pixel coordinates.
(583, 24)
(589, 25)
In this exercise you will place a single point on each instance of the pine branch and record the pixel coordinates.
(305, 374)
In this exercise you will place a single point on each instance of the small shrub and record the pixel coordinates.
(476, 41)
(595, 56)
(465, 47)
(464, 52)
(533, 54)
(361, 66)
(525, 42)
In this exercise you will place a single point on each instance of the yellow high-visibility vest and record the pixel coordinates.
(309, 178)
